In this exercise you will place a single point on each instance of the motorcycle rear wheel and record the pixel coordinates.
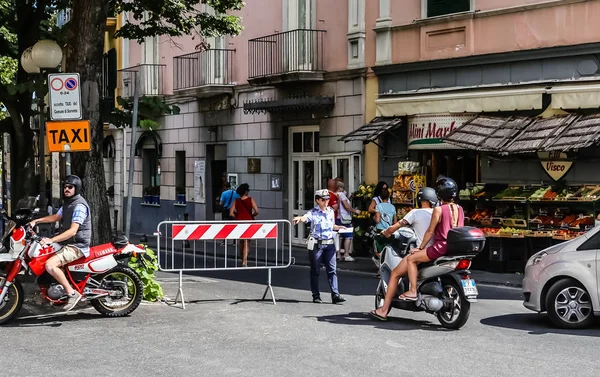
(12, 304)
(135, 290)
(461, 308)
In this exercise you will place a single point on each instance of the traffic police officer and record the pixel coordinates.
(321, 245)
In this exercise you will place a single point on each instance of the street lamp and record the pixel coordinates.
(43, 56)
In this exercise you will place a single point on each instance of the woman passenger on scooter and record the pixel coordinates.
(449, 215)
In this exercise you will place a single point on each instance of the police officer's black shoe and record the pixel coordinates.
(317, 300)
(337, 299)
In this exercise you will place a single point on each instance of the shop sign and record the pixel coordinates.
(427, 131)
(554, 164)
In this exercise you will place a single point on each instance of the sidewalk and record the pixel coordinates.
(366, 265)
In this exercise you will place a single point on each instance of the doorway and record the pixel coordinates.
(217, 161)
(310, 171)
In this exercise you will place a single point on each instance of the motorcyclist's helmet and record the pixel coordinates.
(427, 194)
(75, 181)
(446, 189)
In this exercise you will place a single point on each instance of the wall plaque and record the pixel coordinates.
(254, 165)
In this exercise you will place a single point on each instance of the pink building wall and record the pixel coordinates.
(262, 18)
(561, 25)
(332, 16)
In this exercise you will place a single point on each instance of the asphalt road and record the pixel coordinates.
(227, 330)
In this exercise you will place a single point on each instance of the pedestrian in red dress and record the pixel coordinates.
(244, 208)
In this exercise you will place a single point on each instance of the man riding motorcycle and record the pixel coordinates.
(75, 235)
(419, 218)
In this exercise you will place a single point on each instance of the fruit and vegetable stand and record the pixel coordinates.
(520, 220)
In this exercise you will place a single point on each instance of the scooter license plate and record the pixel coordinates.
(469, 287)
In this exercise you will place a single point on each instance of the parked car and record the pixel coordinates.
(563, 279)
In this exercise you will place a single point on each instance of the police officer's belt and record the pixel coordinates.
(325, 242)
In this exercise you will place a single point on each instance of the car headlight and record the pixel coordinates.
(538, 258)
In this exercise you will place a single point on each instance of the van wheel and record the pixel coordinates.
(568, 305)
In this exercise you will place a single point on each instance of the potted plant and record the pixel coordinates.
(180, 191)
(148, 195)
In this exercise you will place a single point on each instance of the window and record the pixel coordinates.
(151, 177)
(180, 172)
(442, 7)
(305, 142)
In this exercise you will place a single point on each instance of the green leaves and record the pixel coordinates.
(207, 18)
(150, 109)
(145, 266)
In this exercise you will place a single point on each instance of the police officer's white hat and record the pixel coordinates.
(324, 194)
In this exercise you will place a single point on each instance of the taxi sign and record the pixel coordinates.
(72, 136)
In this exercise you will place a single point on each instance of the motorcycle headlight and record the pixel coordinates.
(538, 258)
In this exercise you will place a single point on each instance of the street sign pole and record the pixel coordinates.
(136, 100)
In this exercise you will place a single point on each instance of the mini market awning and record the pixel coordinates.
(515, 135)
(372, 130)
(485, 133)
(464, 101)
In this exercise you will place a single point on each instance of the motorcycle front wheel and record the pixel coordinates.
(12, 302)
(129, 292)
(456, 316)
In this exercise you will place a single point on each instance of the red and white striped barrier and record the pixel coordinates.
(250, 231)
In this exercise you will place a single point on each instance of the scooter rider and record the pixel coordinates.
(75, 235)
(444, 218)
(321, 246)
(419, 218)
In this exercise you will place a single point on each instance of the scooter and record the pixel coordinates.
(444, 287)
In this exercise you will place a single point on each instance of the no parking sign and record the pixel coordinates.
(65, 96)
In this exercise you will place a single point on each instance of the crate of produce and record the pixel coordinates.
(514, 223)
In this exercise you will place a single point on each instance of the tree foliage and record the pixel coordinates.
(150, 110)
(24, 22)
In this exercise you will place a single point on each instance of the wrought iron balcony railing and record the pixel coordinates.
(294, 51)
(203, 68)
(150, 80)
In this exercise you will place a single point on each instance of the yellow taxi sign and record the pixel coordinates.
(68, 136)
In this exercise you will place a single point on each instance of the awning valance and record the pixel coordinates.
(471, 101)
(580, 96)
(296, 103)
(515, 135)
(372, 130)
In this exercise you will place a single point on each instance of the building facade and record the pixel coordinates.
(267, 108)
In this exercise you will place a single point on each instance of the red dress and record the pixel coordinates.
(440, 244)
(243, 209)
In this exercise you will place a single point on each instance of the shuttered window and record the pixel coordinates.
(442, 7)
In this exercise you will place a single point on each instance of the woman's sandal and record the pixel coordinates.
(374, 314)
(406, 297)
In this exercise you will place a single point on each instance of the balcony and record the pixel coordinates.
(204, 73)
(291, 56)
(150, 82)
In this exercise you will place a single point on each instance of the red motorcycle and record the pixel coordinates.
(112, 289)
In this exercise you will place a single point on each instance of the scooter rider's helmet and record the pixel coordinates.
(446, 189)
(75, 181)
(427, 194)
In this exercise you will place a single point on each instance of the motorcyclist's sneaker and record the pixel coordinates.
(73, 300)
(337, 299)
(317, 300)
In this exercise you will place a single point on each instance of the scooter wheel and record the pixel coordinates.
(457, 316)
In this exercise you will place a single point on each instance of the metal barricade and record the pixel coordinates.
(216, 246)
